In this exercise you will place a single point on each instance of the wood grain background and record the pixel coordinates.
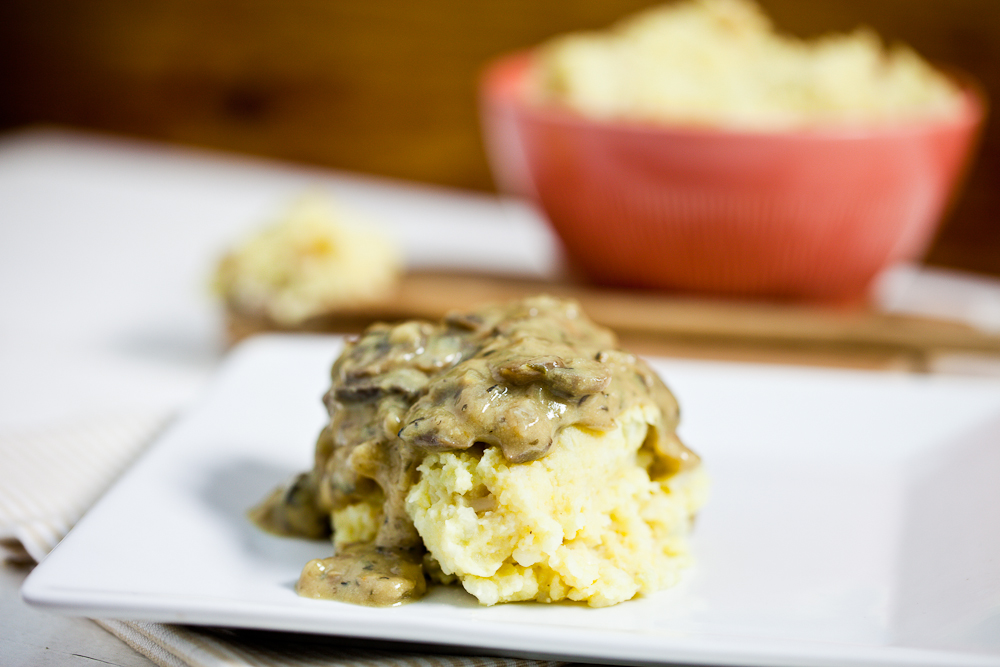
(388, 86)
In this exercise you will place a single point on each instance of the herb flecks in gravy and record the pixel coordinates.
(365, 574)
(511, 376)
(293, 510)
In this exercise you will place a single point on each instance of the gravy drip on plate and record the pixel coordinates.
(510, 376)
(365, 574)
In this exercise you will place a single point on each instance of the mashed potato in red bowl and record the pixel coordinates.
(695, 148)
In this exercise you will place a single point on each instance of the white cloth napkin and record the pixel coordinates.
(49, 478)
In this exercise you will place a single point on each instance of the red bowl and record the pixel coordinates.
(812, 214)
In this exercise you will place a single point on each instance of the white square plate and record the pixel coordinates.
(855, 519)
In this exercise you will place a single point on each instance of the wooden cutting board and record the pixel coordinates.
(659, 323)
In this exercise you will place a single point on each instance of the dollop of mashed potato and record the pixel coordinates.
(318, 256)
(587, 523)
(721, 63)
(513, 448)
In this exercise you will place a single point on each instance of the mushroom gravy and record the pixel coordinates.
(510, 376)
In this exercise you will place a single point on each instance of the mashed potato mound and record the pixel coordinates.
(721, 63)
(317, 257)
(514, 449)
(584, 523)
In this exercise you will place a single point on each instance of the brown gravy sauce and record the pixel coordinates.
(510, 376)
(293, 511)
(365, 574)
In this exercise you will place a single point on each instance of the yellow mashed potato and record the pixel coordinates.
(318, 256)
(722, 63)
(584, 523)
(514, 449)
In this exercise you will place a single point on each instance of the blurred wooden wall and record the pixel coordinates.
(388, 86)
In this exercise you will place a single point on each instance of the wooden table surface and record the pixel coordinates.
(37, 639)
(847, 335)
